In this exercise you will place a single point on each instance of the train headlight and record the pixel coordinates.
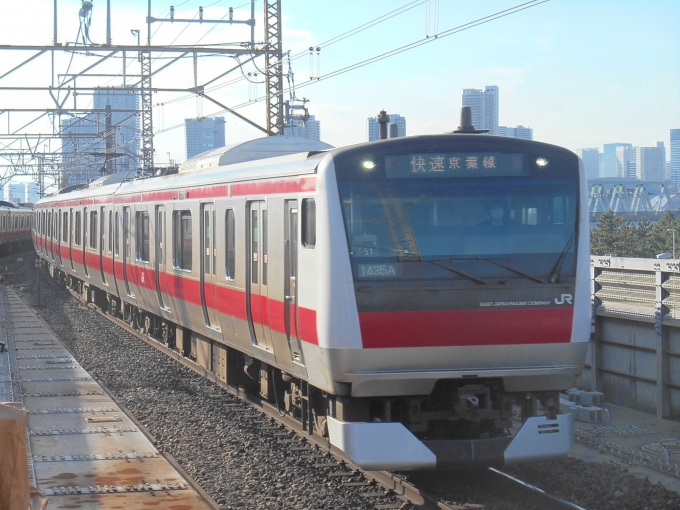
(368, 165)
(542, 162)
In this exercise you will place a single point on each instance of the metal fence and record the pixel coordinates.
(634, 357)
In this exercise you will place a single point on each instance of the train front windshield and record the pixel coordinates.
(406, 221)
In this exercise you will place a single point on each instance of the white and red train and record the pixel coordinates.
(15, 227)
(403, 298)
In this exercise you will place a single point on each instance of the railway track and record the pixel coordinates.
(375, 485)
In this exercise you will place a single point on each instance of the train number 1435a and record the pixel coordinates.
(378, 270)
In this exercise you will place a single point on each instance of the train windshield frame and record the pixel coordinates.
(405, 221)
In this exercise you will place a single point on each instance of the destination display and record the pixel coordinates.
(459, 164)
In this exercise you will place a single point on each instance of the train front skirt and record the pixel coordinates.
(392, 447)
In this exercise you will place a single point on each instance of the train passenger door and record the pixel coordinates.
(257, 284)
(127, 249)
(209, 267)
(290, 309)
(161, 276)
(102, 243)
(86, 240)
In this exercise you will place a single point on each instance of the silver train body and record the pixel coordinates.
(368, 290)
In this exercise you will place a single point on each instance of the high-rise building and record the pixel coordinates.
(16, 192)
(675, 157)
(651, 163)
(484, 107)
(626, 161)
(591, 162)
(85, 157)
(204, 134)
(125, 123)
(33, 192)
(373, 128)
(311, 129)
(611, 164)
(517, 132)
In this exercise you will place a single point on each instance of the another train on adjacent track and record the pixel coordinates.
(419, 301)
(15, 227)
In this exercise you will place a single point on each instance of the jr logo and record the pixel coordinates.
(564, 298)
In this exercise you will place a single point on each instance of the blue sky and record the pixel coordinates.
(580, 73)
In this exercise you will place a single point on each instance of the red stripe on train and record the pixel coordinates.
(226, 300)
(466, 327)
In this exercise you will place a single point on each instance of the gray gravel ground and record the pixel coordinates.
(220, 444)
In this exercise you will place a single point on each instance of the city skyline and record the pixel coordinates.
(558, 65)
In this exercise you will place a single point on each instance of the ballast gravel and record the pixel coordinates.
(244, 461)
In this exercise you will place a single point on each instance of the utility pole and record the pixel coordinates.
(273, 66)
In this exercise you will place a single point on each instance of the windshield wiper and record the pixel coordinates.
(504, 266)
(557, 268)
(466, 275)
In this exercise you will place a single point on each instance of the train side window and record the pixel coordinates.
(230, 249)
(49, 224)
(64, 228)
(78, 227)
(116, 236)
(309, 223)
(142, 237)
(182, 240)
(93, 229)
(110, 231)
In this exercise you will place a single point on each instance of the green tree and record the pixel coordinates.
(609, 235)
(638, 240)
(660, 239)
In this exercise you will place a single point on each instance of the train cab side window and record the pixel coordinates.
(309, 223)
(64, 228)
(93, 229)
(142, 238)
(230, 236)
(79, 224)
(182, 240)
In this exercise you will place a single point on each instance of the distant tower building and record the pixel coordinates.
(651, 163)
(85, 156)
(517, 132)
(203, 135)
(611, 164)
(484, 107)
(626, 161)
(125, 124)
(675, 157)
(310, 130)
(33, 192)
(373, 128)
(591, 162)
(17, 192)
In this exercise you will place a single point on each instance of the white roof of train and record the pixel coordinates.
(257, 159)
(260, 148)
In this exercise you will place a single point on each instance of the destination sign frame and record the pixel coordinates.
(459, 164)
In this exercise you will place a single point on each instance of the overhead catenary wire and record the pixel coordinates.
(446, 33)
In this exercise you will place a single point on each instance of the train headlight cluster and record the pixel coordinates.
(368, 165)
(542, 162)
